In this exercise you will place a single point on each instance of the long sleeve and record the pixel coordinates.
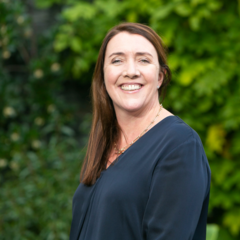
(178, 194)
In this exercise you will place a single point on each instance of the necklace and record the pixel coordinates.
(122, 150)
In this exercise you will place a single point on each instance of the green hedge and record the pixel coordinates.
(43, 127)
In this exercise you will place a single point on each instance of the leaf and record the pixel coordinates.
(189, 73)
(110, 8)
(211, 81)
(197, 2)
(61, 42)
(131, 17)
(173, 61)
(216, 138)
(67, 130)
(212, 232)
(79, 10)
(183, 9)
(44, 3)
(80, 64)
(76, 44)
(163, 11)
(185, 78)
(215, 5)
(194, 22)
(232, 220)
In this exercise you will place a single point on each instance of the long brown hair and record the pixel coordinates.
(105, 130)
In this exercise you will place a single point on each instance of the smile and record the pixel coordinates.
(130, 87)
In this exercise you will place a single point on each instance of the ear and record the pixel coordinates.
(161, 76)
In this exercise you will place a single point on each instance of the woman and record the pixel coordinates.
(145, 175)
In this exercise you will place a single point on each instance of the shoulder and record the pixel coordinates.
(181, 147)
(177, 132)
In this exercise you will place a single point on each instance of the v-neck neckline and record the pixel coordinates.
(116, 160)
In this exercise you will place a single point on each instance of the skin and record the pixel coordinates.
(131, 60)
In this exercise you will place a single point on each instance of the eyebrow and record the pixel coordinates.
(138, 54)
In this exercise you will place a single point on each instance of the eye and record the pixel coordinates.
(144, 60)
(115, 61)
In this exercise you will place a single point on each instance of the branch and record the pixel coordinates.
(16, 68)
(24, 53)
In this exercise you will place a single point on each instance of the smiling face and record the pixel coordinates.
(132, 72)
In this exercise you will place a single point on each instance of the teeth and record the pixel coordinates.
(130, 87)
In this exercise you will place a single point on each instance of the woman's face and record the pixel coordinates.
(132, 72)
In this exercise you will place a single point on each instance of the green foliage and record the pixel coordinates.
(212, 232)
(39, 154)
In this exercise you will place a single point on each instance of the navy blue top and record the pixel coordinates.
(158, 189)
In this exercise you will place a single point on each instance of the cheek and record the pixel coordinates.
(109, 82)
(110, 77)
(152, 76)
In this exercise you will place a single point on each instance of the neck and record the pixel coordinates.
(132, 124)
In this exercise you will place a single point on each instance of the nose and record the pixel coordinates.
(131, 70)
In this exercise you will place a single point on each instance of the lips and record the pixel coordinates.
(130, 87)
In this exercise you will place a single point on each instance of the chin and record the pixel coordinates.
(133, 108)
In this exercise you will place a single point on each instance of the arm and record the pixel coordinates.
(179, 186)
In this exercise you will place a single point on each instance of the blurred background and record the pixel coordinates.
(48, 49)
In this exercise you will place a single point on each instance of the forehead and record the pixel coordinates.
(126, 42)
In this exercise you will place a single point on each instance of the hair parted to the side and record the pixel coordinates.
(105, 130)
